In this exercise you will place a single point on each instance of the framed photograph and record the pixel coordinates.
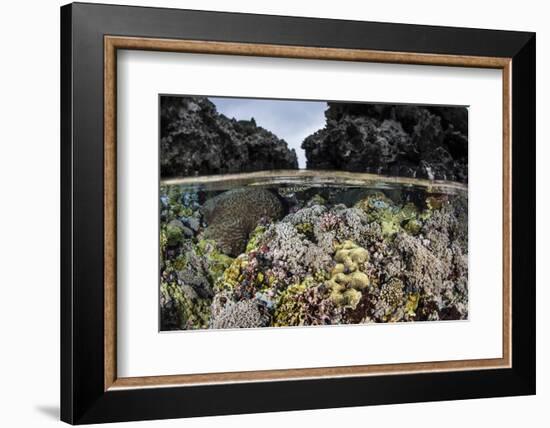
(266, 213)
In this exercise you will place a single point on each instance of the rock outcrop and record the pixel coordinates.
(196, 139)
(423, 142)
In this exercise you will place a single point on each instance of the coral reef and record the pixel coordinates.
(402, 140)
(340, 256)
(196, 139)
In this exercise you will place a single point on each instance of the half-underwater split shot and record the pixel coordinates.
(287, 213)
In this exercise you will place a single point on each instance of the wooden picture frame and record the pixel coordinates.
(91, 390)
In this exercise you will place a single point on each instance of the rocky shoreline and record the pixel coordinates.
(195, 139)
(395, 140)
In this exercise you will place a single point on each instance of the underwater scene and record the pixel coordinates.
(262, 231)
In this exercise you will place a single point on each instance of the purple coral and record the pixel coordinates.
(329, 221)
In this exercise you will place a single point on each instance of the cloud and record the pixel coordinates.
(291, 120)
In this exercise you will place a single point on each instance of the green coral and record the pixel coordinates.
(163, 240)
(306, 303)
(179, 263)
(255, 239)
(193, 311)
(233, 275)
(305, 229)
(316, 199)
(412, 304)
(174, 233)
(217, 261)
(412, 226)
(391, 218)
(347, 277)
(290, 310)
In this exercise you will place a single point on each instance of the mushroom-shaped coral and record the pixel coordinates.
(347, 277)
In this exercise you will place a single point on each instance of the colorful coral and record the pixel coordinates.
(231, 260)
(305, 303)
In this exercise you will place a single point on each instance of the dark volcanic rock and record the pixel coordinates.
(196, 139)
(401, 140)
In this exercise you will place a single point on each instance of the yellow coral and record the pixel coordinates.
(359, 280)
(347, 280)
(412, 304)
(436, 202)
(291, 310)
(255, 238)
(351, 254)
(232, 276)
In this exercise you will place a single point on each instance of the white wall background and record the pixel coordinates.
(29, 215)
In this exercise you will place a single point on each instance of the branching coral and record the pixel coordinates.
(291, 252)
(438, 275)
(242, 314)
(391, 302)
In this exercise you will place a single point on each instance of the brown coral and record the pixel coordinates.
(233, 215)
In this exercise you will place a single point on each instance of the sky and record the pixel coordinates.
(287, 119)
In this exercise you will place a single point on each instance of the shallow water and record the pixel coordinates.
(299, 248)
(313, 178)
